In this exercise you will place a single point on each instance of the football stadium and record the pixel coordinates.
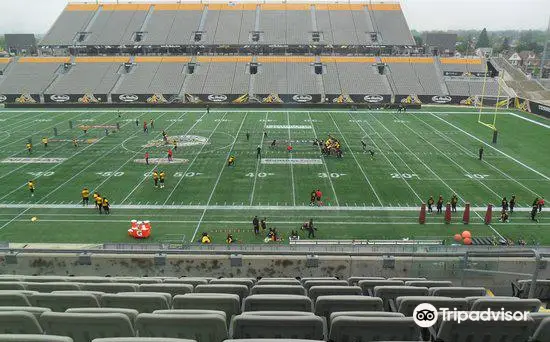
(276, 172)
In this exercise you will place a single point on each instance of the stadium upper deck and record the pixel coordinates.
(200, 24)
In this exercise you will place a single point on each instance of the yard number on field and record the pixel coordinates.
(403, 175)
(476, 176)
(260, 174)
(110, 174)
(41, 174)
(332, 175)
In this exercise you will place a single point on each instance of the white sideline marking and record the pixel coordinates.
(255, 110)
(234, 207)
(291, 161)
(289, 126)
(491, 146)
(530, 120)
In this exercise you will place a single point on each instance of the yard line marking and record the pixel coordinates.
(63, 145)
(387, 144)
(13, 219)
(484, 160)
(323, 158)
(291, 165)
(57, 165)
(384, 155)
(196, 154)
(219, 177)
(491, 146)
(530, 120)
(258, 163)
(357, 162)
(284, 208)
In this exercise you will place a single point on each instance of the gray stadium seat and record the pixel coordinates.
(538, 317)
(542, 289)
(248, 282)
(279, 289)
(303, 280)
(19, 322)
(277, 302)
(271, 340)
(90, 279)
(326, 305)
(187, 280)
(11, 278)
(486, 331)
(207, 327)
(279, 324)
(429, 283)
(131, 313)
(316, 291)
(530, 305)
(346, 328)
(144, 302)
(353, 281)
(310, 283)
(33, 338)
(368, 285)
(60, 302)
(96, 294)
(12, 285)
(35, 310)
(141, 339)
(228, 303)
(172, 289)
(110, 287)
(390, 293)
(13, 298)
(471, 300)
(457, 292)
(44, 279)
(542, 334)
(405, 279)
(240, 290)
(52, 286)
(190, 312)
(364, 314)
(278, 281)
(83, 327)
(406, 305)
(136, 280)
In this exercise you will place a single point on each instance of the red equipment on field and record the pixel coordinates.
(422, 217)
(489, 214)
(139, 229)
(466, 215)
(448, 213)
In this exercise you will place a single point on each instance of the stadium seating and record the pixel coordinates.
(33, 338)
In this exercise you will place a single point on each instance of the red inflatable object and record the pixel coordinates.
(466, 216)
(448, 213)
(139, 230)
(422, 217)
(458, 237)
(467, 241)
(466, 235)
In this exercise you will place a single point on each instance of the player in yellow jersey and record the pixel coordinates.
(156, 178)
(231, 161)
(75, 142)
(162, 176)
(105, 205)
(99, 202)
(45, 142)
(29, 147)
(31, 185)
(85, 196)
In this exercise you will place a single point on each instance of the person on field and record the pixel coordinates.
(430, 204)
(256, 225)
(512, 203)
(85, 196)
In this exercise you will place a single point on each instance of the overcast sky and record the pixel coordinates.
(36, 16)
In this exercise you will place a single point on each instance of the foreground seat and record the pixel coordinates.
(207, 327)
(110, 287)
(12, 285)
(13, 298)
(19, 322)
(529, 305)
(429, 283)
(33, 338)
(279, 289)
(277, 303)
(240, 290)
(172, 289)
(187, 280)
(326, 305)
(390, 293)
(278, 281)
(131, 313)
(228, 303)
(136, 280)
(542, 334)
(60, 302)
(542, 289)
(353, 281)
(351, 328)
(35, 310)
(486, 331)
(248, 282)
(457, 292)
(407, 304)
(142, 302)
(53, 286)
(278, 324)
(364, 314)
(316, 291)
(335, 282)
(141, 339)
(368, 285)
(83, 327)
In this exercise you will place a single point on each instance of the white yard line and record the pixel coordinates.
(492, 147)
(530, 120)
(283, 208)
(196, 156)
(15, 218)
(384, 155)
(324, 162)
(218, 179)
(357, 162)
(291, 165)
(438, 132)
(240, 110)
(258, 161)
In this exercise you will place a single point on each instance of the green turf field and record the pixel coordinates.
(417, 154)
